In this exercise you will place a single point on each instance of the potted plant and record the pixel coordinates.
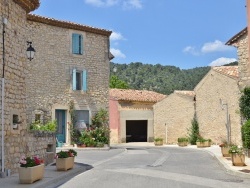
(237, 155)
(207, 142)
(182, 141)
(65, 159)
(31, 169)
(158, 141)
(225, 149)
(200, 142)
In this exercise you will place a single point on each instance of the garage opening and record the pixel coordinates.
(136, 130)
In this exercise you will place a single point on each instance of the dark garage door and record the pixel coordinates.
(136, 130)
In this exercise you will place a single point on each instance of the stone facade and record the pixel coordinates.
(173, 115)
(49, 76)
(17, 139)
(240, 41)
(214, 90)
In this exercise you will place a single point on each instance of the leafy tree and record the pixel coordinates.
(115, 82)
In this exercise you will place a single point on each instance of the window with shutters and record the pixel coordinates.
(79, 81)
(77, 44)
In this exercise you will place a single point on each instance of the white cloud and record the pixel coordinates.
(117, 53)
(216, 46)
(191, 49)
(128, 4)
(102, 3)
(116, 36)
(222, 61)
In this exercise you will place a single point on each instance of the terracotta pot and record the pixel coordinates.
(225, 151)
(182, 144)
(238, 159)
(31, 174)
(63, 164)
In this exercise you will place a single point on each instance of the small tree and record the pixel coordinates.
(245, 103)
(115, 82)
(246, 134)
(193, 131)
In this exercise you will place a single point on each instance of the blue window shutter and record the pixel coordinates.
(80, 44)
(74, 80)
(75, 43)
(84, 80)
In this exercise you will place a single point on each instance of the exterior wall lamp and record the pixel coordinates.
(30, 51)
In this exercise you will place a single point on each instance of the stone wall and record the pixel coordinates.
(49, 77)
(244, 69)
(216, 87)
(172, 117)
(17, 140)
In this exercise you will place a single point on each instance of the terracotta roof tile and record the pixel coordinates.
(67, 24)
(231, 71)
(136, 95)
(28, 5)
(236, 37)
(188, 93)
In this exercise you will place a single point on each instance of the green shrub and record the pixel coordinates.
(246, 134)
(50, 126)
(245, 103)
(193, 132)
(182, 139)
(158, 139)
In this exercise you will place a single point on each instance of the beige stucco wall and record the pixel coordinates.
(49, 77)
(211, 118)
(135, 111)
(172, 117)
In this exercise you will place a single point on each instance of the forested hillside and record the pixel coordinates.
(159, 78)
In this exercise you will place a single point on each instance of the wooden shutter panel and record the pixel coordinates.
(74, 80)
(80, 44)
(75, 43)
(84, 80)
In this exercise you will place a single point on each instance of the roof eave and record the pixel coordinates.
(28, 5)
(236, 37)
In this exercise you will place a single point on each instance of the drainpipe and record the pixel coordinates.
(3, 158)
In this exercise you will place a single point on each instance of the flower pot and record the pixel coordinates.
(225, 151)
(238, 159)
(158, 143)
(207, 144)
(200, 144)
(31, 174)
(63, 164)
(182, 144)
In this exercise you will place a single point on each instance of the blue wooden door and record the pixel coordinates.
(61, 125)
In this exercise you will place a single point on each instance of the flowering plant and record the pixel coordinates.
(66, 154)
(30, 161)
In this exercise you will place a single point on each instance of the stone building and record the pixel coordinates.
(16, 140)
(240, 41)
(131, 115)
(71, 66)
(216, 94)
(173, 116)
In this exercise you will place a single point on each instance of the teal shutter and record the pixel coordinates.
(84, 80)
(80, 44)
(75, 43)
(74, 80)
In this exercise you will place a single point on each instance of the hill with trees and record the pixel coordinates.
(159, 78)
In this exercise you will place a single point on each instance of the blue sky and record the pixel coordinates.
(183, 33)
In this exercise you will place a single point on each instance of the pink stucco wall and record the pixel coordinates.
(114, 120)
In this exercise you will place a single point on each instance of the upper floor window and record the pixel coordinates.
(77, 43)
(79, 80)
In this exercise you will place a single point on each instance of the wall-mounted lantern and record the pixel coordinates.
(30, 51)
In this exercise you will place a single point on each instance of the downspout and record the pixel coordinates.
(3, 85)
